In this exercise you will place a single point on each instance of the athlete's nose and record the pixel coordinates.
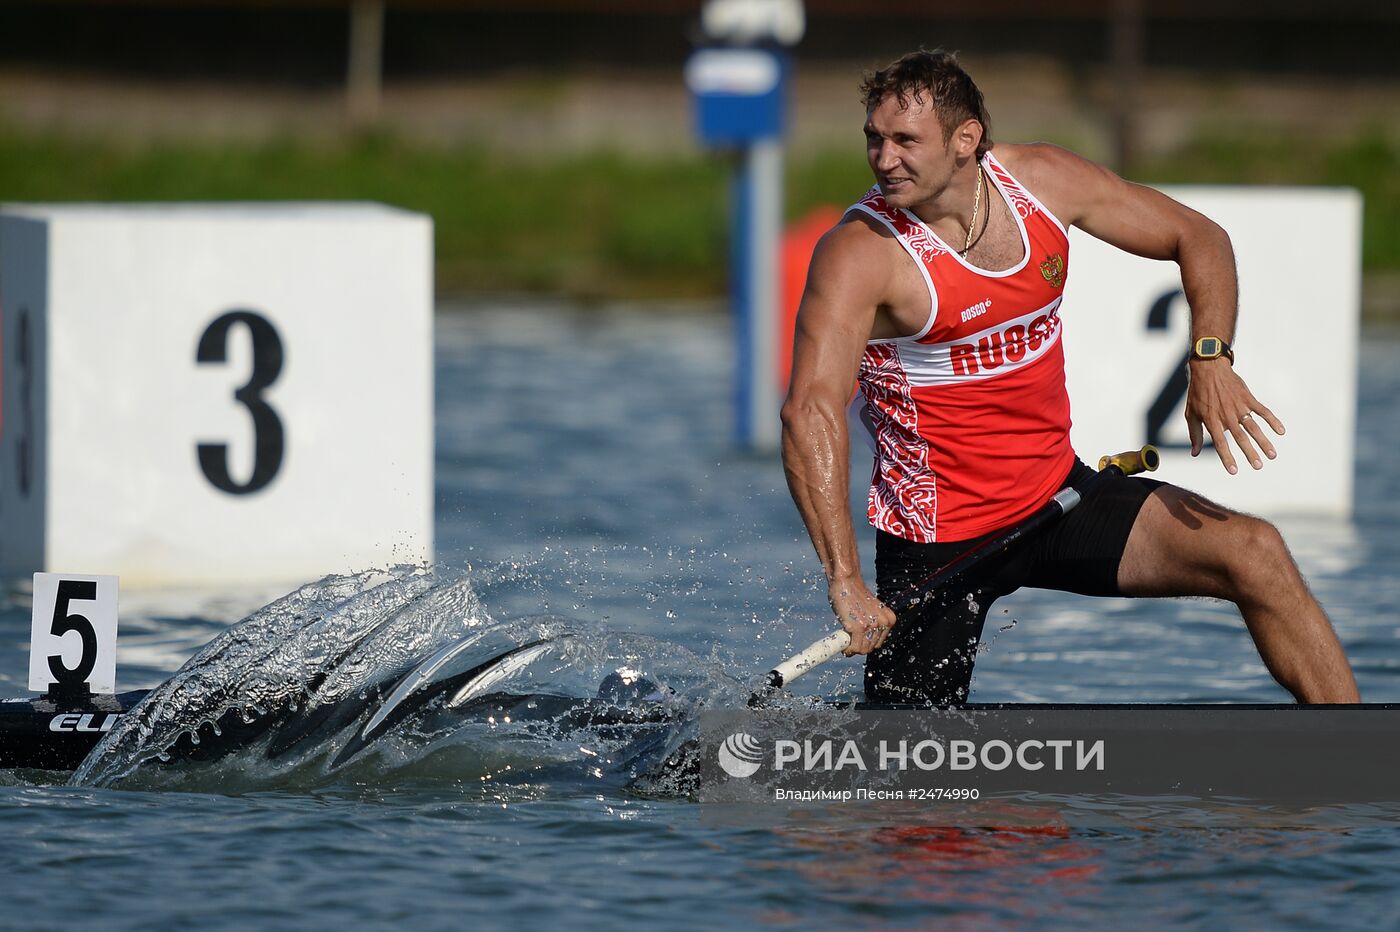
(887, 156)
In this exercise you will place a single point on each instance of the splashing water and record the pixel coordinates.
(410, 659)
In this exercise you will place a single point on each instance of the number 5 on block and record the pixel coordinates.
(73, 640)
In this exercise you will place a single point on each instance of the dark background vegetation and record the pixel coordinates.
(276, 41)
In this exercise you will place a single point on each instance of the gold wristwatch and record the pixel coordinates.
(1212, 348)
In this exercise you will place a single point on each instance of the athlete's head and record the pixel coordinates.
(934, 79)
(925, 126)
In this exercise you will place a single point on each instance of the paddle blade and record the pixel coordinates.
(417, 687)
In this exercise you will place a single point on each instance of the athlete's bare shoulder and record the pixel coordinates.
(859, 232)
(1065, 182)
(855, 255)
(1041, 161)
(860, 272)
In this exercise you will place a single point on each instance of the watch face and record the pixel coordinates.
(1208, 347)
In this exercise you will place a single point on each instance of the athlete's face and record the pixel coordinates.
(907, 152)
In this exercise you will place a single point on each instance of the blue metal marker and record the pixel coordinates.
(740, 96)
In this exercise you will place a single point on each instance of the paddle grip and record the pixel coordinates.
(1133, 461)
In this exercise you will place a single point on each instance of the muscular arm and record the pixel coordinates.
(834, 321)
(1147, 223)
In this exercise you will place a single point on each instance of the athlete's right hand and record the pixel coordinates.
(865, 618)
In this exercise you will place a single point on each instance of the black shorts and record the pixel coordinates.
(929, 655)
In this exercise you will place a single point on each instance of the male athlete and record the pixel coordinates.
(939, 293)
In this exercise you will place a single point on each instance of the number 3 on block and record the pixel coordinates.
(73, 640)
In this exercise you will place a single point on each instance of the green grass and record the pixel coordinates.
(588, 225)
(598, 225)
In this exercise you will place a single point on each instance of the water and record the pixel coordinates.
(586, 484)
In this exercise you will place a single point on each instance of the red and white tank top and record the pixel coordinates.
(970, 415)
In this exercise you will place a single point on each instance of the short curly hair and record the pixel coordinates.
(937, 74)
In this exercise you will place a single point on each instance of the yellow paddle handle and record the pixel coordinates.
(1133, 461)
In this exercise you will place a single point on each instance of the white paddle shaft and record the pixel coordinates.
(816, 654)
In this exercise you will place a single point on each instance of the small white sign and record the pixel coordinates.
(73, 639)
(744, 21)
(744, 72)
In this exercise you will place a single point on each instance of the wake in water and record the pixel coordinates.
(403, 676)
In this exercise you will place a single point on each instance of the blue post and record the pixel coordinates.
(741, 299)
(740, 97)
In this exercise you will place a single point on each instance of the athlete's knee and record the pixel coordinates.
(1257, 557)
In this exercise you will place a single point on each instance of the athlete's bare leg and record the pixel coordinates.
(1185, 545)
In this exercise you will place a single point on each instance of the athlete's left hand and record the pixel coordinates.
(1219, 403)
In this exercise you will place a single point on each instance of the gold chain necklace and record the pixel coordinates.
(976, 203)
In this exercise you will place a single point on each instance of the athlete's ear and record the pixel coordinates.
(966, 138)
